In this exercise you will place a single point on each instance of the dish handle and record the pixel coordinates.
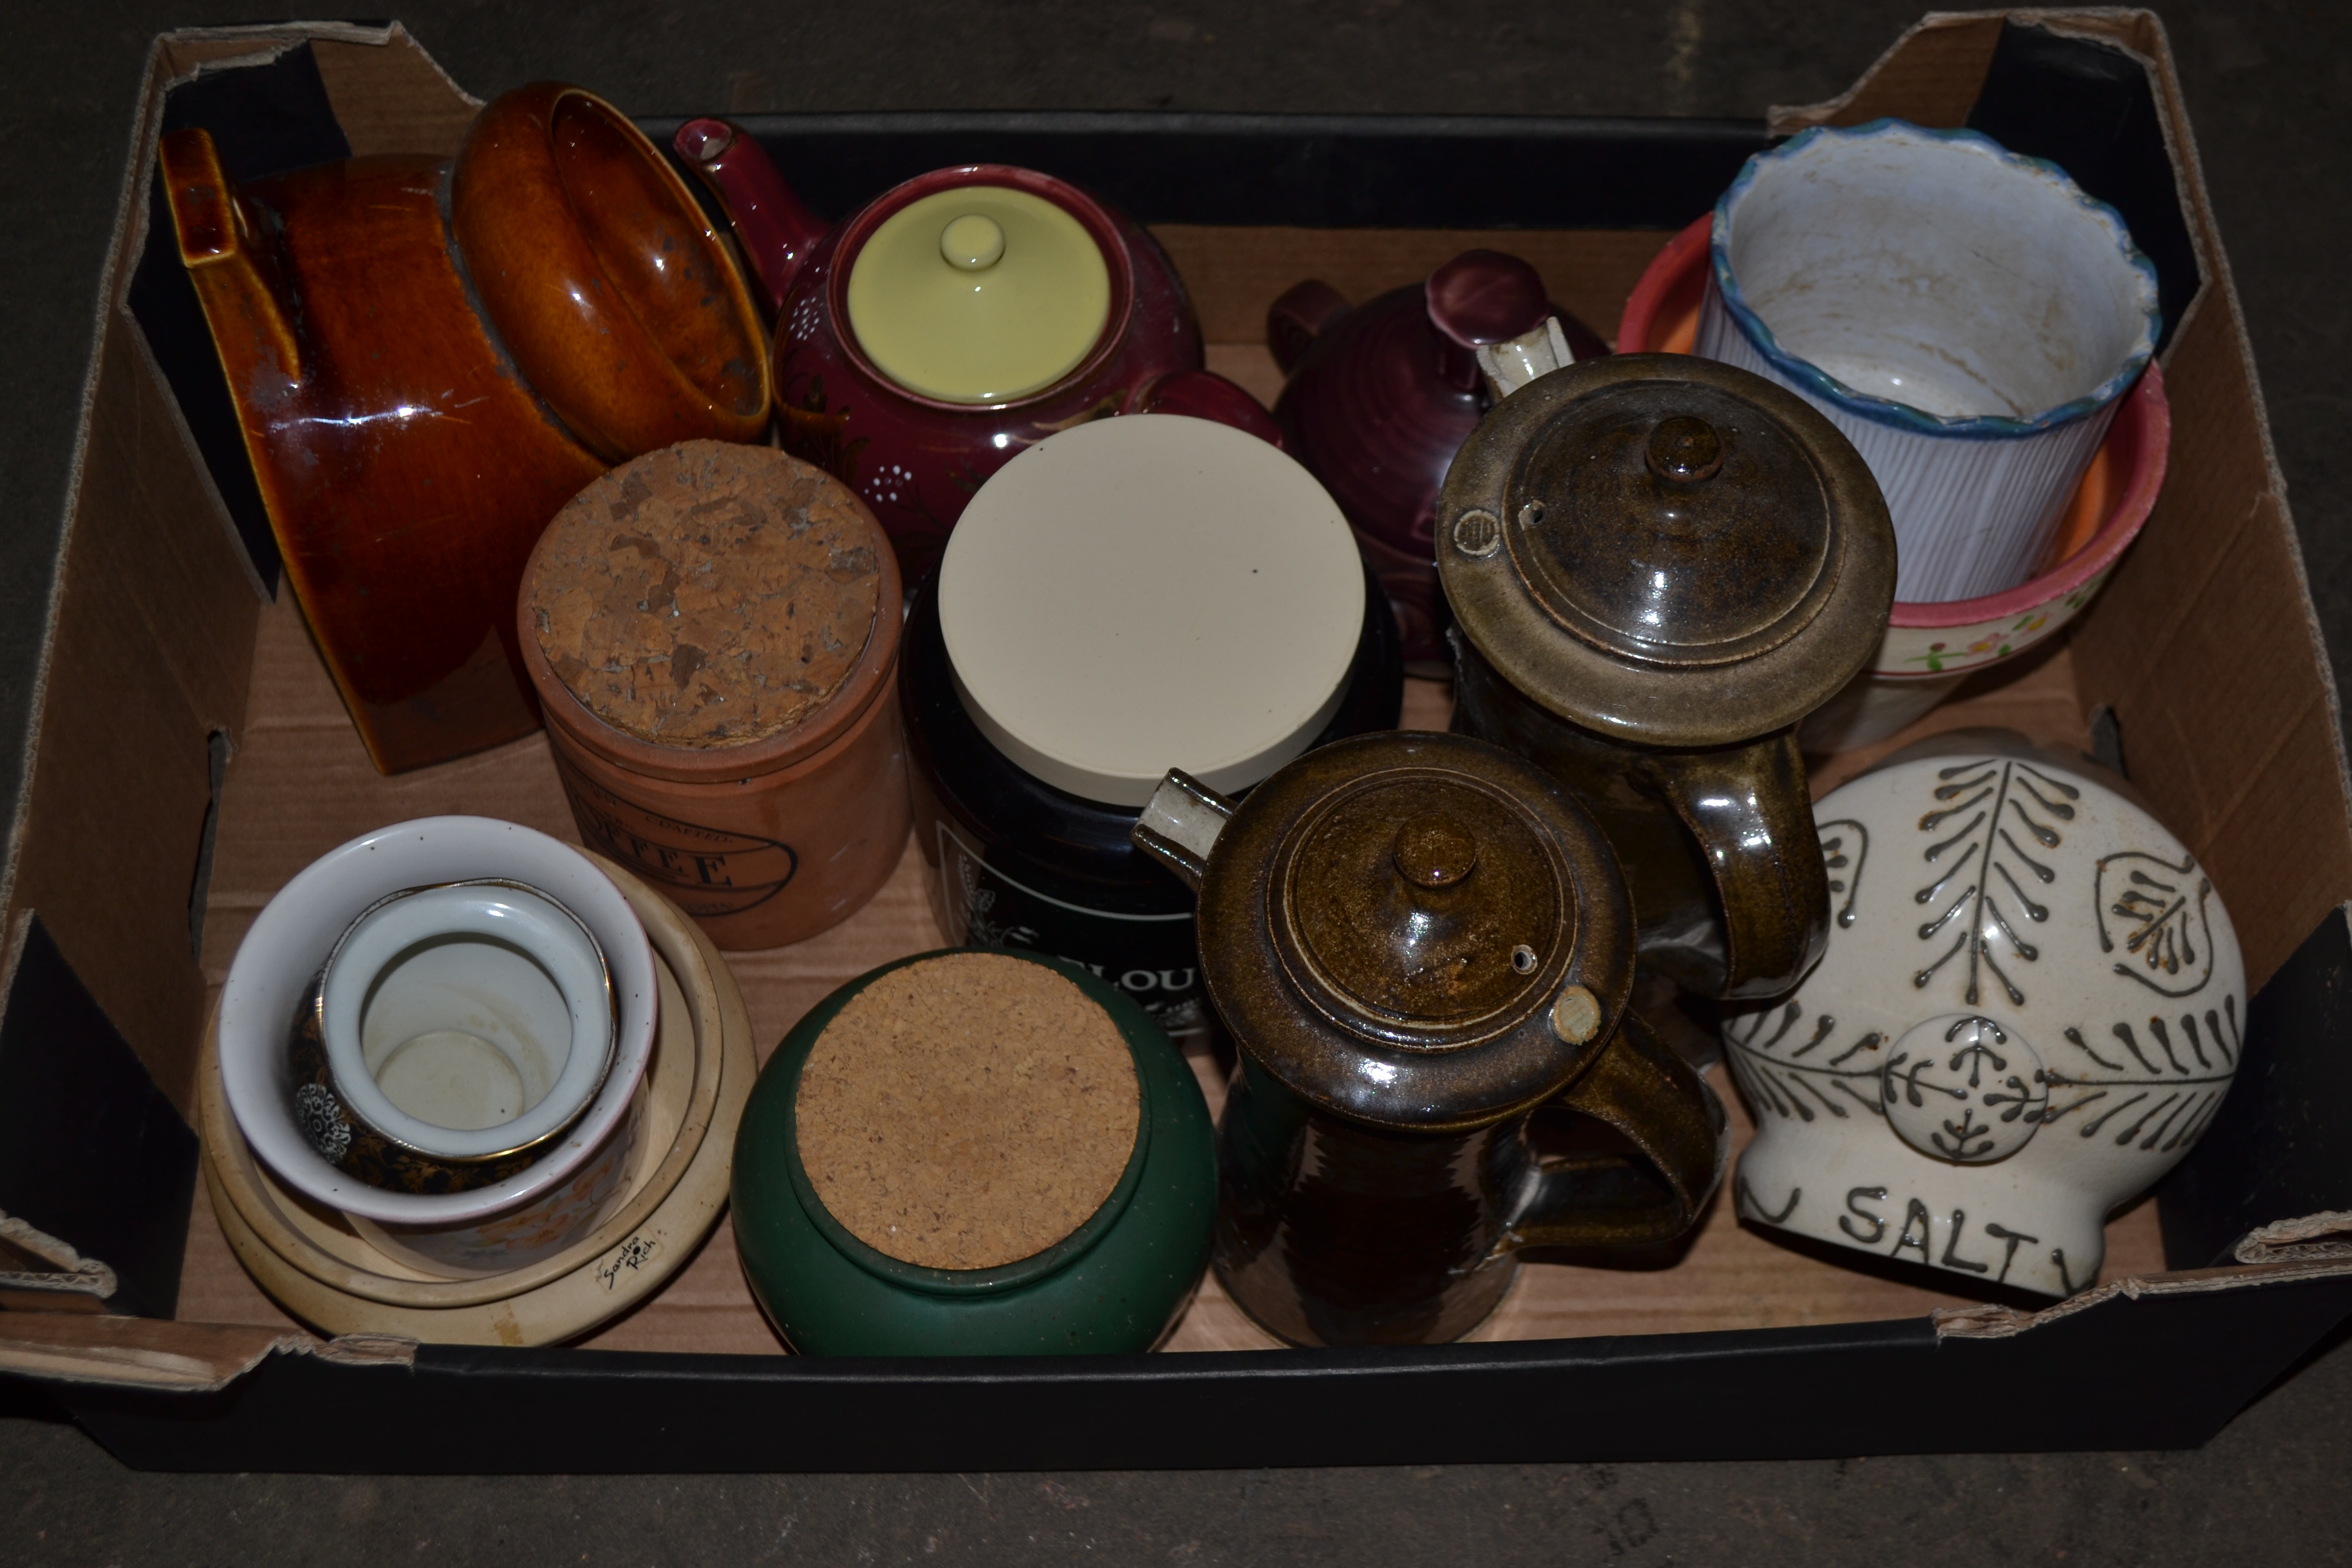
(248, 324)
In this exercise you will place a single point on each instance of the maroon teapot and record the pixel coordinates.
(952, 322)
(1382, 396)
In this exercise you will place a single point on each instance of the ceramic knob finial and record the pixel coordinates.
(1434, 853)
(703, 139)
(973, 242)
(1486, 296)
(1686, 451)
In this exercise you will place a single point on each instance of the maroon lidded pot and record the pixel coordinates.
(915, 448)
(1381, 396)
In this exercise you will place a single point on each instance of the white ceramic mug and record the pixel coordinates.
(488, 1229)
(1966, 316)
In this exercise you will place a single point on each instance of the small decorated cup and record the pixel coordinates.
(454, 1037)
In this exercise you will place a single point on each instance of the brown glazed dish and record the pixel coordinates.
(607, 285)
(1658, 565)
(407, 462)
(1421, 945)
(713, 632)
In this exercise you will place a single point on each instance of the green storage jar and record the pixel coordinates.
(1117, 1282)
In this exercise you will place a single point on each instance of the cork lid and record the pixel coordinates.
(1666, 549)
(967, 1110)
(707, 596)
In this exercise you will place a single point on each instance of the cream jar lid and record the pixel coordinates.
(1151, 592)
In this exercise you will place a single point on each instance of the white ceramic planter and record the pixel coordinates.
(492, 1228)
(1967, 317)
(2032, 1005)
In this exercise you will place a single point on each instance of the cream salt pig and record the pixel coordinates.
(2032, 1005)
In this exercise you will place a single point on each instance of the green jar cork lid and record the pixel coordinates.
(967, 1111)
(708, 594)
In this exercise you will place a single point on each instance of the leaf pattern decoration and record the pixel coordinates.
(1994, 833)
(2158, 1083)
(2156, 916)
(1803, 1073)
(1845, 845)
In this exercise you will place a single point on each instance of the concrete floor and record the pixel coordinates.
(2270, 86)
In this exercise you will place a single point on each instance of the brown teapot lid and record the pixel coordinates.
(1666, 549)
(1416, 931)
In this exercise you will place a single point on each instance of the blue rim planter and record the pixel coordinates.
(1833, 231)
(1118, 1283)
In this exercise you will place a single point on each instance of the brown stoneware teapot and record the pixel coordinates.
(1421, 946)
(954, 320)
(1381, 396)
(1658, 565)
(430, 359)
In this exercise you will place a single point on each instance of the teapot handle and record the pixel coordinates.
(1751, 813)
(248, 324)
(1179, 824)
(777, 229)
(1304, 312)
(1653, 1099)
(1205, 395)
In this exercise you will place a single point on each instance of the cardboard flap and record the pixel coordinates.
(187, 1358)
(2325, 1236)
(390, 96)
(1996, 1323)
(32, 1260)
(1929, 75)
(1933, 73)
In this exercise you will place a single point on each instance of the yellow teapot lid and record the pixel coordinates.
(980, 294)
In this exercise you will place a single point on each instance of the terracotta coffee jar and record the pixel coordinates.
(713, 632)
(1658, 565)
(1421, 945)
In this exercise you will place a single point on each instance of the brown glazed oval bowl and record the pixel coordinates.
(619, 302)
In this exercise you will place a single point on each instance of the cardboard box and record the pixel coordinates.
(191, 755)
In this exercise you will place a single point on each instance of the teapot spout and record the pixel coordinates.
(1179, 824)
(776, 229)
